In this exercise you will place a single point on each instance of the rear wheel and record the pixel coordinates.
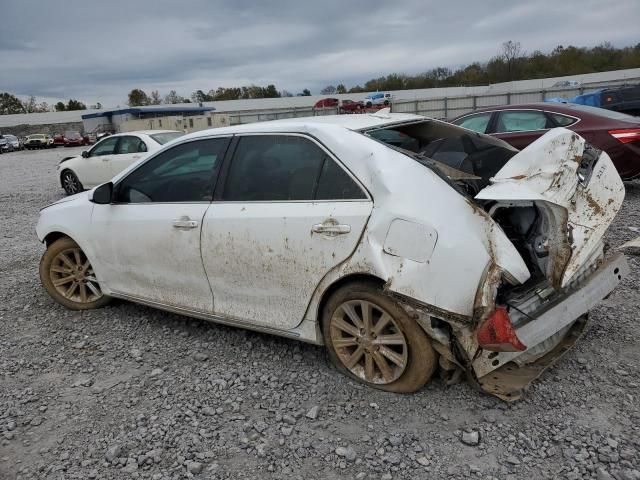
(370, 338)
(67, 275)
(70, 182)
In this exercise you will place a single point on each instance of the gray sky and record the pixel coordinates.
(98, 50)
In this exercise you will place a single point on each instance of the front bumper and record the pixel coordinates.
(560, 315)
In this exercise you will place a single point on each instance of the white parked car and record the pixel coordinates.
(477, 258)
(109, 157)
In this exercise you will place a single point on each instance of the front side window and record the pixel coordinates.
(105, 147)
(184, 173)
(478, 122)
(131, 145)
(281, 168)
(522, 120)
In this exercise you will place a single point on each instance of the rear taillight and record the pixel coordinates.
(626, 135)
(498, 335)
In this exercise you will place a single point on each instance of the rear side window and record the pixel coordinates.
(478, 122)
(521, 121)
(336, 184)
(562, 120)
(131, 145)
(281, 168)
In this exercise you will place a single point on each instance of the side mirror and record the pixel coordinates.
(85, 154)
(102, 194)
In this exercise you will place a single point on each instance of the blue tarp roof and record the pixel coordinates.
(592, 99)
(150, 109)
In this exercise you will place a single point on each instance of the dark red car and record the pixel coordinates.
(327, 103)
(616, 133)
(70, 139)
(350, 106)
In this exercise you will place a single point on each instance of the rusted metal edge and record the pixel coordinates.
(510, 381)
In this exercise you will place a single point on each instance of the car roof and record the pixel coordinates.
(355, 122)
(144, 132)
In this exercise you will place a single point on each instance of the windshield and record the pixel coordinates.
(72, 135)
(165, 137)
(603, 112)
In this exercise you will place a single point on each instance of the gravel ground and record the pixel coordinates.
(132, 392)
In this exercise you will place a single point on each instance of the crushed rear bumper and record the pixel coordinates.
(498, 372)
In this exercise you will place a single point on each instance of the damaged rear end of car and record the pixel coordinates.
(554, 201)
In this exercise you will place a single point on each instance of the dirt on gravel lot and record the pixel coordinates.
(131, 392)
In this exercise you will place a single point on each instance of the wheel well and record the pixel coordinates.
(337, 285)
(52, 237)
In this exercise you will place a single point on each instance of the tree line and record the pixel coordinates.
(138, 97)
(511, 63)
(10, 104)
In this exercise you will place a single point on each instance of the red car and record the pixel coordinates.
(349, 106)
(616, 133)
(327, 103)
(70, 139)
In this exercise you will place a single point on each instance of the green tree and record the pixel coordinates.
(10, 104)
(60, 107)
(75, 105)
(340, 88)
(306, 92)
(271, 92)
(137, 98)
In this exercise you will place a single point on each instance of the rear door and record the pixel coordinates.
(286, 214)
(130, 149)
(521, 127)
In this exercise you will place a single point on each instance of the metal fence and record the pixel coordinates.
(240, 118)
(441, 107)
(450, 107)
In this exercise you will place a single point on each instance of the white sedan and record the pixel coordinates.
(400, 243)
(109, 157)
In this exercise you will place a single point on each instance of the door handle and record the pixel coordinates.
(136, 157)
(182, 223)
(105, 159)
(331, 229)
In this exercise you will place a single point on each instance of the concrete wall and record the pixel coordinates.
(52, 129)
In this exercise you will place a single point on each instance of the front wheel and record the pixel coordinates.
(370, 338)
(67, 275)
(70, 182)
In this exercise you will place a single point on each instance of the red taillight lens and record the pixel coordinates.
(626, 135)
(498, 335)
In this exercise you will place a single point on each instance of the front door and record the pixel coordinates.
(148, 241)
(286, 215)
(96, 168)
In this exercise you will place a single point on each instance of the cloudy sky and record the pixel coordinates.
(98, 50)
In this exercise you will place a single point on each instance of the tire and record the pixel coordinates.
(65, 268)
(70, 182)
(415, 359)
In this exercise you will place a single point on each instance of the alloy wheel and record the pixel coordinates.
(70, 183)
(73, 277)
(368, 341)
